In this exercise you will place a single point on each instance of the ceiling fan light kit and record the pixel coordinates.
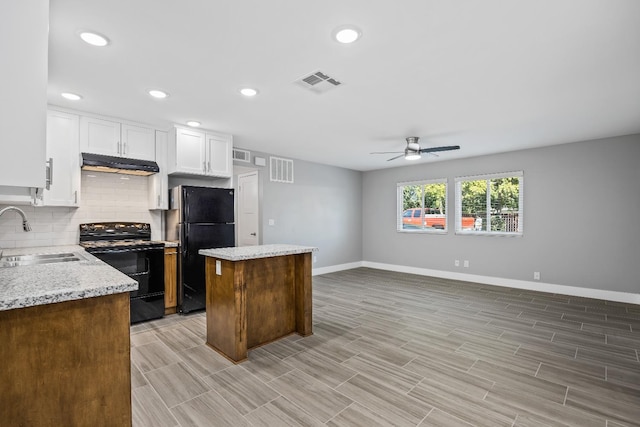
(411, 155)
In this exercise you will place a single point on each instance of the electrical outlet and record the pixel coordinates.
(466, 263)
(272, 222)
(536, 275)
(315, 258)
(457, 263)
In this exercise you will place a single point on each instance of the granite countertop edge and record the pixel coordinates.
(253, 252)
(28, 286)
(170, 243)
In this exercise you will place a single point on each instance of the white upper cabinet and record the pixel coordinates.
(159, 182)
(218, 155)
(193, 152)
(24, 30)
(99, 136)
(187, 148)
(138, 142)
(111, 138)
(63, 154)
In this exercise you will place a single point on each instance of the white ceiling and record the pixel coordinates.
(490, 76)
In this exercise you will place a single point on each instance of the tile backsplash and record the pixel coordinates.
(105, 197)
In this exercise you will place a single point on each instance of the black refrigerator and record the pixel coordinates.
(199, 218)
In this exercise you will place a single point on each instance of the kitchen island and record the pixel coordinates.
(255, 295)
(64, 329)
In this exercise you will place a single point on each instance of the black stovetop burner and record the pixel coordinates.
(119, 235)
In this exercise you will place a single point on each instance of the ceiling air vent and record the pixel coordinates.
(281, 170)
(241, 155)
(318, 82)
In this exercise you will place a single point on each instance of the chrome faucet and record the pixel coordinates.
(25, 221)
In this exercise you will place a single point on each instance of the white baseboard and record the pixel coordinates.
(625, 297)
(334, 268)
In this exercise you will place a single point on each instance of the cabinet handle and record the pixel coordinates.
(204, 166)
(119, 147)
(124, 148)
(209, 166)
(49, 176)
(158, 201)
(75, 197)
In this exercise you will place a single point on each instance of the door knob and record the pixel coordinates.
(253, 234)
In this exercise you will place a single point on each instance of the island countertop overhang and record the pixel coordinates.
(254, 252)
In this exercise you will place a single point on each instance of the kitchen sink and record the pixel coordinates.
(18, 260)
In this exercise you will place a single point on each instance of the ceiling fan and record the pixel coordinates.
(413, 150)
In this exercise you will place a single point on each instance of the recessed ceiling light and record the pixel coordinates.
(94, 39)
(71, 96)
(347, 34)
(247, 91)
(156, 93)
(193, 123)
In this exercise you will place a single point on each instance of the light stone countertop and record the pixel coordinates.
(170, 243)
(30, 285)
(252, 252)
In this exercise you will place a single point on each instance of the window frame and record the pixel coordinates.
(400, 208)
(488, 177)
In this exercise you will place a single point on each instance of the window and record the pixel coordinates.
(422, 206)
(490, 204)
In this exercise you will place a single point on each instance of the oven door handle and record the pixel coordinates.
(119, 251)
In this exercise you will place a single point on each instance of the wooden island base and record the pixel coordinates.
(255, 301)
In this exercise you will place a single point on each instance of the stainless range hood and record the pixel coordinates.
(112, 164)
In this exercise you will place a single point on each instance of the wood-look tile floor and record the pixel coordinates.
(392, 349)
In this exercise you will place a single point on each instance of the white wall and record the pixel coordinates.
(581, 218)
(322, 208)
(105, 197)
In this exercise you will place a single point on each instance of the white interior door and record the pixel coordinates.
(248, 209)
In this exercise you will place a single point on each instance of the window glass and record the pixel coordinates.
(422, 206)
(490, 204)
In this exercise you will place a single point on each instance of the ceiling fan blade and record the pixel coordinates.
(443, 148)
(396, 157)
(386, 152)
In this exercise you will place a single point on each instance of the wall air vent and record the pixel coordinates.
(318, 82)
(241, 155)
(281, 170)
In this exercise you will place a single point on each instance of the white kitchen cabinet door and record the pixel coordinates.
(219, 155)
(63, 150)
(100, 136)
(138, 142)
(190, 152)
(158, 182)
(24, 28)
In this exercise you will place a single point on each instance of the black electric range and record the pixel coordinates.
(127, 246)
